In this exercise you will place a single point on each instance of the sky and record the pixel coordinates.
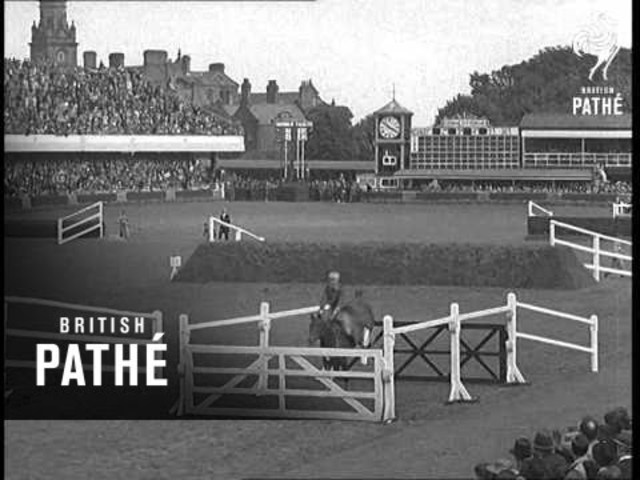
(355, 51)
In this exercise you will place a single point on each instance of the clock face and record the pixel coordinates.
(389, 127)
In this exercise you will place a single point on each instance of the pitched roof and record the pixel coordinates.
(211, 78)
(393, 107)
(266, 113)
(560, 121)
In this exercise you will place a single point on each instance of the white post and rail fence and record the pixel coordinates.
(621, 265)
(90, 218)
(380, 372)
(621, 209)
(215, 225)
(535, 210)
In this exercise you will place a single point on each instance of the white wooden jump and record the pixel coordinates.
(95, 216)
(533, 209)
(260, 368)
(383, 393)
(155, 317)
(596, 250)
(239, 231)
(621, 209)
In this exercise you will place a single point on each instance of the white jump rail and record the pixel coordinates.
(532, 207)
(595, 250)
(156, 327)
(513, 372)
(621, 209)
(97, 216)
(239, 231)
(260, 368)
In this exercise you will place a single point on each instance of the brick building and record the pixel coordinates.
(53, 39)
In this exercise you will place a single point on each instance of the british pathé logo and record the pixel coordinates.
(598, 39)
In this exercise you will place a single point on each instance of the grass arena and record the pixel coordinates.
(428, 439)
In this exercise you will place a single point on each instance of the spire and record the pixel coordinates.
(393, 86)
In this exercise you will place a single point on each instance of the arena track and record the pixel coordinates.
(429, 440)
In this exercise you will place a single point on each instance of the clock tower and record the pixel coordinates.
(392, 138)
(53, 39)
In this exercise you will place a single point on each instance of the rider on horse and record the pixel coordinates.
(332, 293)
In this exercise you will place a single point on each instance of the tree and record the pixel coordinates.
(363, 134)
(330, 138)
(547, 82)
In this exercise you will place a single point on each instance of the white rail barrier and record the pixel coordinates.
(596, 250)
(95, 216)
(239, 231)
(260, 368)
(532, 207)
(621, 209)
(156, 318)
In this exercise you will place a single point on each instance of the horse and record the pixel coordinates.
(329, 332)
(357, 320)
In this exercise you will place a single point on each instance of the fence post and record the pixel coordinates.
(158, 328)
(594, 343)
(596, 258)
(458, 392)
(60, 226)
(513, 372)
(101, 210)
(552, 233)
(388, 387)
(185, 370)
(212, 235)
(265, 326)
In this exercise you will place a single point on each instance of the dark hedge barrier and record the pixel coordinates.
(144, 196)
(41, 229)
(618, 227)
(589, 197)
(447, 196)
(43, 200)
(12, 203)
(523, 196)
(523, 266)
(193, 194)
(97, 197)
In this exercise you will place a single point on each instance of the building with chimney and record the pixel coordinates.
(53, 39)
(258, 112)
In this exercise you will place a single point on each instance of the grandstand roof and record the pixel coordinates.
(393, 107)
(559, 121)
(339, 165)
(565, 174)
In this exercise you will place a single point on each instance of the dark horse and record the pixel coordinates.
(330, 333)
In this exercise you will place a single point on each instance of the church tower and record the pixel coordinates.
(53, 38)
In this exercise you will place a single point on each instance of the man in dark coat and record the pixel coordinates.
(224, 230)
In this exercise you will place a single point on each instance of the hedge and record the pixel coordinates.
(97, 197)
(521, 266)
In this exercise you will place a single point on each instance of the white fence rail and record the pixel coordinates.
(214, 228)
(94, 216)
(383, 393)
(534, 210)
(596, 250)
(260, 368)
(621, 209)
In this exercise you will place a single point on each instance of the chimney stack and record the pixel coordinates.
(272, 92)
(90, 59)
(245, 91)
(116, 60)
(216, 67)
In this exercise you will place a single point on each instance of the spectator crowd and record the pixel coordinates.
(618, 187)
(590, 451)
(44, 98)
(89, 173)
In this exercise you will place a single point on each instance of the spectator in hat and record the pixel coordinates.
(332, 293)
(544, 450)
(605, 456)
(583, 467)
(521, 451)
(589, 427)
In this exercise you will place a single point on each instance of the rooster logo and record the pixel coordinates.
(600, 40)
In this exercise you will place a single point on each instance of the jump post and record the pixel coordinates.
(533, 208)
